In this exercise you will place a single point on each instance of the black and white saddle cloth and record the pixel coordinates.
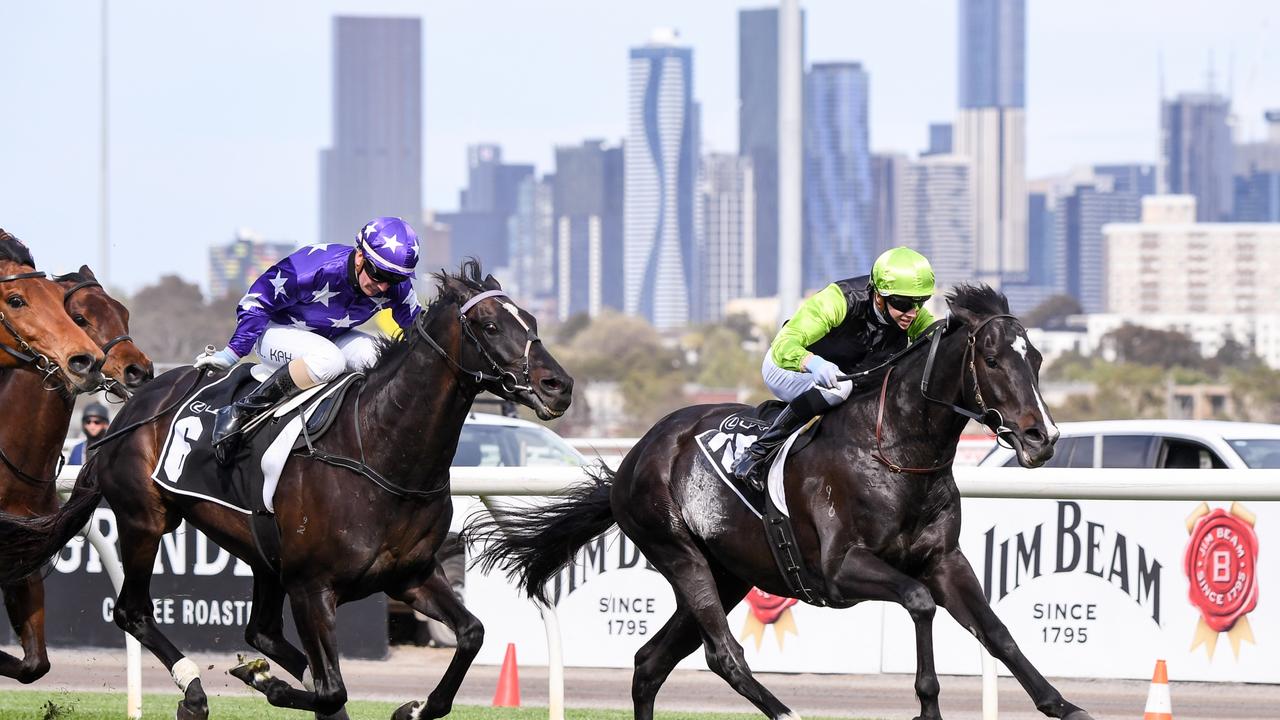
(187, 465)
(721, 446)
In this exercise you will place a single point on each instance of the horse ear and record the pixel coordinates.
(85, 271)
(964, 315)
(491, 282)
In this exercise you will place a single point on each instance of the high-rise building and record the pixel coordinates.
(940, 139)
(1078, 222)
(1042, 265)
(530, 231)
(887, 170)
(990, 129)
(1137, 178)
(235, 266)
(1262, 155)
(727, 243)
(935, 216)
(837, 174)
(1257, 197)
(758, 129)
(482, 226)
(587, 228)
(374, 167)
(661, 164)
(1196, 157)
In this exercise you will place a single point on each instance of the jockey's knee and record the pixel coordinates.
(325, 366)
(834, 396)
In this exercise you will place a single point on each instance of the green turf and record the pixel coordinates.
(27, 704)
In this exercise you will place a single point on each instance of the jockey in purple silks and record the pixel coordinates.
(298, 316)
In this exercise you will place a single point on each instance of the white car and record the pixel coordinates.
(1207, 444)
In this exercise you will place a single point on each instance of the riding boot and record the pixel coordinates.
(232, 419)
(750, 467)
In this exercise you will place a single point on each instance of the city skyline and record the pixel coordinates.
(211, 140)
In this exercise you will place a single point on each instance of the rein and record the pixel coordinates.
(989, 417)
(24, 352)
(108, 383)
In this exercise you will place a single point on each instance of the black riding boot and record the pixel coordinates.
(752, 465)
(232, 419)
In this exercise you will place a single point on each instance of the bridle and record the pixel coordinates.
(108, 384)
(506, 380)
(24, 352)
(988, 416)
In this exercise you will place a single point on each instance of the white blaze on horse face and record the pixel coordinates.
(1019, 346)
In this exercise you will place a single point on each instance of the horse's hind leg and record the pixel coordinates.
(24, 601)
(957, 589)
(133, 611)
(435, 599)
(678, 638)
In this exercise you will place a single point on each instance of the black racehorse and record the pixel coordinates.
(872, 498)
(345, 533)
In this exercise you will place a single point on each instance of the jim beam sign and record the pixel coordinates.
(1221, 565)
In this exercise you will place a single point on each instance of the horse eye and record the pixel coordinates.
(490, 328)
(80, 320)
(991, 361)
(16, 301)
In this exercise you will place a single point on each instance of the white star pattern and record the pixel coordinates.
(411, 299)
(392, 242)
(343, 322)
(250, 301)
(300, 324)
(415, 247)
(368, 230)
(278, 282)
(379, 301)
(318, 247)
(323, 295)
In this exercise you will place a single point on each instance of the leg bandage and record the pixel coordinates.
(184, 671)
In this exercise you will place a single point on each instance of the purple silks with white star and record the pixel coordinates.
(316, 289)
(390, 243)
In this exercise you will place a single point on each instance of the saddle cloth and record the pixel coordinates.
(721, 446)
(187, 466)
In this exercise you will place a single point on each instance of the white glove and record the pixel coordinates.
(826, 373)
(220, 360)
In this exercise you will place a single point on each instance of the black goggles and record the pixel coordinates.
(902, 303)
(377, 274)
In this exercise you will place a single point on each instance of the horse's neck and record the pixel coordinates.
(418, 412)
(35, 424)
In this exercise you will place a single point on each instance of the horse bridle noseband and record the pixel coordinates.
(506, 380)
(109, 384)
(989, 416)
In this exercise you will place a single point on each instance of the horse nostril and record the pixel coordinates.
(80, 364)
(1036, 436)
(551, 385)
(136, 375)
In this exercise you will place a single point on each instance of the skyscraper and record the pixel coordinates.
(482, 226)
(990, 129)
(887, 170)
(1079, 219)
(587, 228)
(940, 142)
(374, 166)
(1137, 178)
(1196, 157)
(727, 243)
(661, 168)
(837, 174)
(233, 267)
(531, 234)
(758, 130)
(936, 215)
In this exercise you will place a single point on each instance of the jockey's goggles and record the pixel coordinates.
(902, 303)
(377, 274)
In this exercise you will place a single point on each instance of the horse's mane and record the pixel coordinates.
(449, 288)
(981, 300)
(14, 250)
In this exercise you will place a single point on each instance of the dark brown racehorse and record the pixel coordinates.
(31, 447)
(344, 534)
(864, 530)
(35, 331)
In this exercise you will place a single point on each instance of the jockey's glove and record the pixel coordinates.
(825, 373)
(220, 360)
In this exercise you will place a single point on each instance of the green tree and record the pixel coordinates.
(172, 323)
(1052, 312)
(1149, 346)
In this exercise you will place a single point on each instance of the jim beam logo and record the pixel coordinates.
(765, 609)
(1221, 563)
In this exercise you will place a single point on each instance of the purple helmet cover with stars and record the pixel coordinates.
(390, 243)
(314, 289)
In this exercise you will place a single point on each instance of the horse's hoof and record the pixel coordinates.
(251, 672)
(194, 705)
(411, 711)
(1077, 715)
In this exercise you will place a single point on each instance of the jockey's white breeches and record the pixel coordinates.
(325, 359)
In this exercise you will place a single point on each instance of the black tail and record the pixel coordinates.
(27, 542)
(538, 542)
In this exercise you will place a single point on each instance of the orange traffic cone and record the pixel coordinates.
(508, 694)
(1159, 706)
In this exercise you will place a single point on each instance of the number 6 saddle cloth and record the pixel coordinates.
(187, 466)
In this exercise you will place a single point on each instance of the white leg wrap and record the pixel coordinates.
(308, 682)
(416, 712)
(184, 671)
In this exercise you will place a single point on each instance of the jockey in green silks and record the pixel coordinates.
(847, 325)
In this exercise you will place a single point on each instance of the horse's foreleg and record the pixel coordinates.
(315, 614)
(24, 601)
(863, 576)
(435, 598)
(957, 589)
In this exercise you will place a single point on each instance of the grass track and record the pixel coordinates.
(61, 705)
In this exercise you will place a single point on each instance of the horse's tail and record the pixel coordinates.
(27, 542)
(532, 546)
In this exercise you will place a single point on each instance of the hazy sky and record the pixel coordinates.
(219, 109)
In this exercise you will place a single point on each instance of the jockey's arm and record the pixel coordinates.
(275, 290)
(815, 317)
(404, 304)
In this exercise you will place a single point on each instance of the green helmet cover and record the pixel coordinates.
(902, 271)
